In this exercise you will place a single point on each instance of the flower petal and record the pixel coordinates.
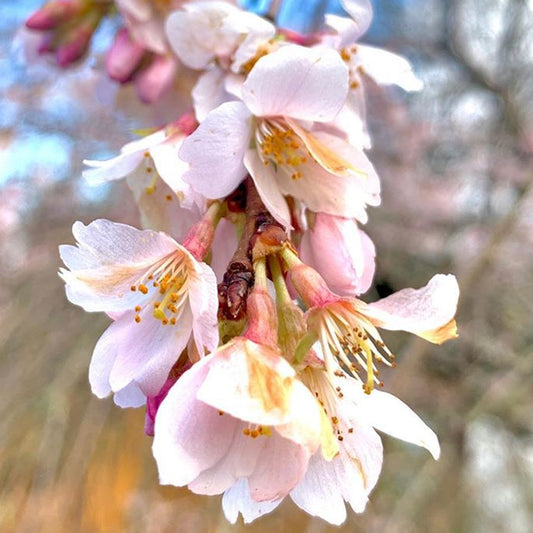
(319, 494)
(386, 68)
(209, 92)
(361, 13)
(217, 170)
(298, 82)
(267, 188)
(280, 467)
(199, 34)
(427, 312)
(390, 415)
(147, 350)
(239, 461)
(249, 381)
(109, 258)
(190, 436)
(203, 299)
(237, 500)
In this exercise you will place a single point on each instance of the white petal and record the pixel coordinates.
(237, 500)
(200, 33)
(418, 311)
(203, 299)
(267, 188)
(386, 68)
(361, 13)
(216, 149)
(298, 82)
(390, 415)
(112, 169)
(319, 494)
(209, 92)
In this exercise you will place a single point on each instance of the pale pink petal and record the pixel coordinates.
(169, 165)
(237, 500)
(386, 68)
(267, 188)
(190, 436)
(112, 169)
(203, 299)
(102, 361)
(361, 13)
(116, 256)
(145, 143)
(322, 191)
(239, 461)
(319, 494)
(200, 33)
(250, 382)
(224, 246)
(145, 352)
(305, 427)
(351, 120)
(369, 254)
(216, 149)
(298, 82)
(258, 32)
(162, 209)
(390, 415)
(427, 312)
(281, 465)
(209, 92)
(130, 396)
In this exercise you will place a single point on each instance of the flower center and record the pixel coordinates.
(165, 285)
(355, 343)
(280, 146)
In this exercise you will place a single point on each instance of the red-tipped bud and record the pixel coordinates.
(124, 57)
(54, 13)
(152, 81)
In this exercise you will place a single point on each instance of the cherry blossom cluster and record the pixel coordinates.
(236, 313)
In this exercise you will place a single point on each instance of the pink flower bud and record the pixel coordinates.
(52, 14)
(342, 253)
(262, 318)
(74, 48)
(123, 57)
(155, 79)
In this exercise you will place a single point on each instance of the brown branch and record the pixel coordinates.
(239, 276)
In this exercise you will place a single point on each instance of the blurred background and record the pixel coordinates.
(457, 171)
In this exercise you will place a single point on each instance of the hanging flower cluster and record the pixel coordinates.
(237, 317)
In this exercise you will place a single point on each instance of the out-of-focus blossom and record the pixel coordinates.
(67, 27)
(154, 173)
(159, 295)
(222, 40)
(267, 136)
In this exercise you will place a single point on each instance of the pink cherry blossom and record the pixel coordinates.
(346, 328)
(266, 135)
(160, 296)
(238, 413)
(351, 417)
